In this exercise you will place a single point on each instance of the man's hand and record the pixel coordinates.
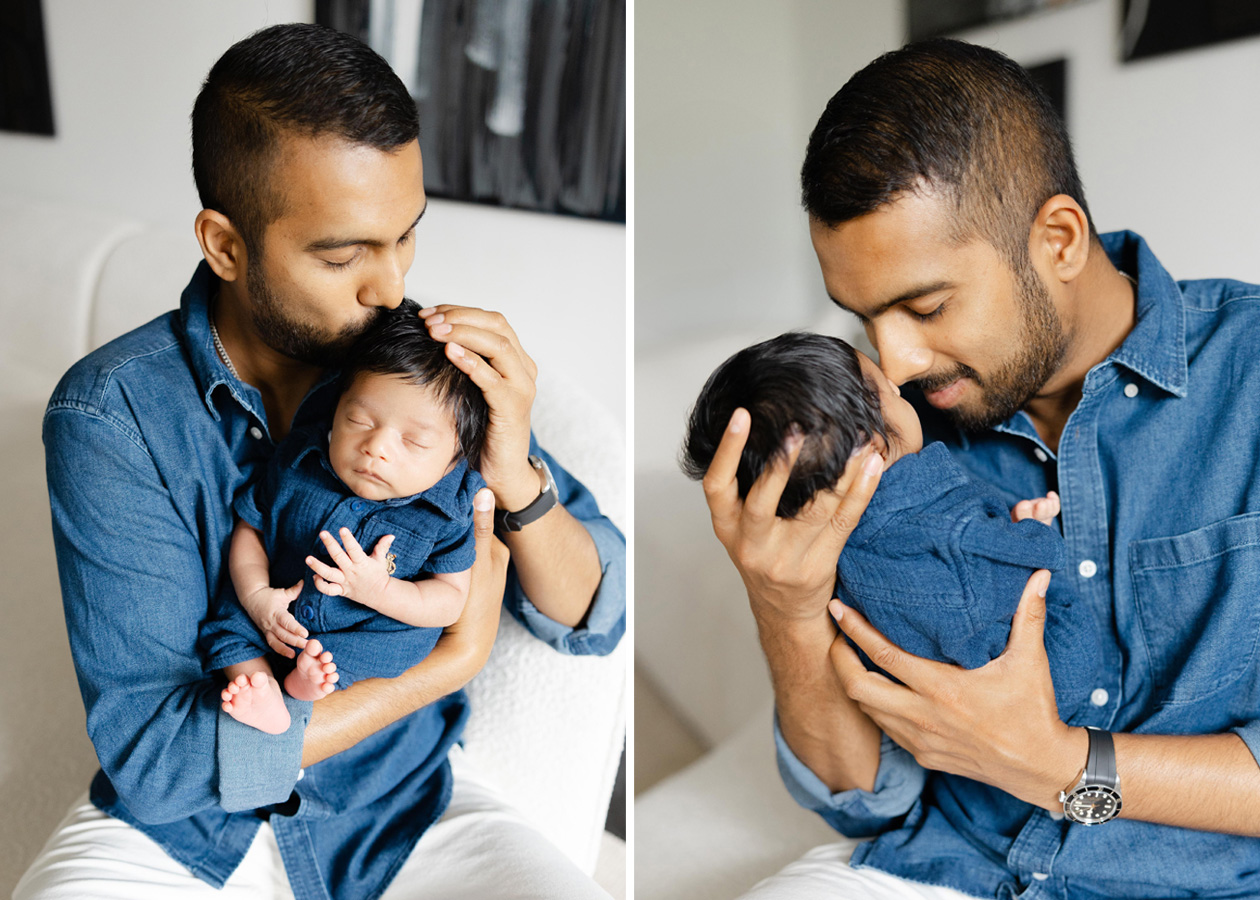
(358, 576)
(788, 565)
(483, 345)
(1043, 509)
(474, 632)
(268, 607)
(997, 724)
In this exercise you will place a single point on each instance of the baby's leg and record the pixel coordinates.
(314, 675)
(253, 697)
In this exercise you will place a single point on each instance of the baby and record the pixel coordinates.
(395, 471)
(936, 562)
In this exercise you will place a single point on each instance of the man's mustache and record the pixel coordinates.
(930, 382)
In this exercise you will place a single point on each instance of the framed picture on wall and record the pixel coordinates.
(935, 18)
(522, 102)
(1154, 27)
(25, 91)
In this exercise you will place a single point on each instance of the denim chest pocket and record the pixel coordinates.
(1198, 604)
(410, 549)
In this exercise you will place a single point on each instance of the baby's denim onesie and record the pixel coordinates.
(299, 496)
(937, 565)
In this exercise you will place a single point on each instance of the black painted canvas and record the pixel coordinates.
(25, 91)
(935, 18)
(1154, 27)
(522, 102)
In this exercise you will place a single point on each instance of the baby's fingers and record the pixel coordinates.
(279, 646)
(382, 547)
(325, 571)
(327, 587)
(291, 626)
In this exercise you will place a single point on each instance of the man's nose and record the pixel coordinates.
(385, 288)
(903, 355)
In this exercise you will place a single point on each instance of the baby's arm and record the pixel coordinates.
(434, 602)
(1043, 509)
(268, 607)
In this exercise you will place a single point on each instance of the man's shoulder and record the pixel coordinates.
(150, 356)
(1220, 294)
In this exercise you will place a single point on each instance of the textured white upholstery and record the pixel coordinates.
(549, 728)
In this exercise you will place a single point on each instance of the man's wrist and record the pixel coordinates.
(519, 489)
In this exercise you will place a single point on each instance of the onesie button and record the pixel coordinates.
(1040, 876)
(1130, 390)
(1040, 454)
(308, 611)
(256, 433)
(1099, 697)
(357, 505)
(1088, 568)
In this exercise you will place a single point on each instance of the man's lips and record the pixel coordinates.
(947, 396)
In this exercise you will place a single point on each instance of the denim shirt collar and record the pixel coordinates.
(1154, 350)
(444, 495)
(207, 366)
(906, 483)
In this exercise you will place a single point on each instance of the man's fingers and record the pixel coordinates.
(906, 667)
(1028, 626)
(862, 474)
(482, 373)
(484, 320)
(720, 487)
(860, 684)
(762, 501)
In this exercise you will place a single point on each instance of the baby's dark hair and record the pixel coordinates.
(797, 381)
(397, 343)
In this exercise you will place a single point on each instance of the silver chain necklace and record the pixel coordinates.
(218, 345)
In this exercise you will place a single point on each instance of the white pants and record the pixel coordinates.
(480, 848)
(824, 874)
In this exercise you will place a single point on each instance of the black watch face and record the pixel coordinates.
(1092, 804)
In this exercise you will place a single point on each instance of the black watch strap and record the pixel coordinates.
(546, 499)
(1100, 766)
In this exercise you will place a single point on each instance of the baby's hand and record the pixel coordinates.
(362, 578)
(269, 609)
(1043, 509)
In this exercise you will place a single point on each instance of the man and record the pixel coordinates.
(306, 158)
(947, 215)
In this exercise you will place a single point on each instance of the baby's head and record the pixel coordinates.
(406, 415)
(817, 385)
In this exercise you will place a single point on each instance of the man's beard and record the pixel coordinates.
(1041, 348)
(298, 340)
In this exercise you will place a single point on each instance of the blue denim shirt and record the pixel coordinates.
(148, 442)
(1157, 470)
(937, 565)
(299, 496)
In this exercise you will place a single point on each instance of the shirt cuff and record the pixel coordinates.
(855, 813)
(259, 769)
(1250, 733)
(606, 618)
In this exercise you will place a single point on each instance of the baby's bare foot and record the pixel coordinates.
(256, 701)
(314, 675)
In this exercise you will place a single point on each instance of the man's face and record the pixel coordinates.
(338, 253)
(977, 338)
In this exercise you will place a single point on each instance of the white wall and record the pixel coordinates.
(124, 76)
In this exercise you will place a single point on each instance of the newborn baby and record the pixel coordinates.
(936, 562)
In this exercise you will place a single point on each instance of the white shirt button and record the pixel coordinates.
(1099, 697)
(1040, 876)
(1088, 568)
(1130, 390)
(301, 774)
(1056, 815)
(256, 433)
(1040, 454)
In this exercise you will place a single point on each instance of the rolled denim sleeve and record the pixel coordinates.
(605, 621)
(135, 591)
(855, 813)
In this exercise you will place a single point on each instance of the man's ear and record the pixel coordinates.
(221, 244)
(1059, 241)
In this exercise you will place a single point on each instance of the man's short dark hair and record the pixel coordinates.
(811, 383)
(963, 120)
(398, 343)
(299, 79)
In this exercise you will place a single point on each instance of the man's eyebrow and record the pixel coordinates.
(913, 293)
(339, 243)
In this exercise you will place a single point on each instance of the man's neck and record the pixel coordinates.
(1104, 312)
(282, 381)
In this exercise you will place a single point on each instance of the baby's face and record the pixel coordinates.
(899, 415)
(391, 438)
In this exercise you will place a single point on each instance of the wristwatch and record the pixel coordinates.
(1095, 798)
(515, 521)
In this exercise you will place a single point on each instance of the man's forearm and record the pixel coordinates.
(824, 728)
(557, 565)
(343, 718)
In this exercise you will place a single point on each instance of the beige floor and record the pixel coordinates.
(663, 742)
